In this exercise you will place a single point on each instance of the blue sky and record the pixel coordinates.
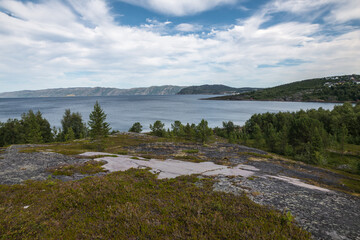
(139, 43)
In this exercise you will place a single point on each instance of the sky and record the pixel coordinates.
(141, 43)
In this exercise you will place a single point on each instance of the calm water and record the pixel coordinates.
(123, 111)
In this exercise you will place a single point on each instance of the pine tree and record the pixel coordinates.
(229, 128)
(158, 129)
(31, 128)
(271, 138)
(203, 132)
(73, 121)
(98, 126)
(189, 131)
(177, 129)
(258, 136)
(70, 135)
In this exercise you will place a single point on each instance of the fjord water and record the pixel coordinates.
(123, 111)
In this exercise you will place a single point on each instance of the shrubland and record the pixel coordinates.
(136, 205)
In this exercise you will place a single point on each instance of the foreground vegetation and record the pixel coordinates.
(136, 205)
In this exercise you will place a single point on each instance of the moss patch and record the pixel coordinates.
(90, 167)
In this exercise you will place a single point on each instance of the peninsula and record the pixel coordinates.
(328, 89)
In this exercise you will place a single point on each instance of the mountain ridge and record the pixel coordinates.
(103, 91)
(93, 91)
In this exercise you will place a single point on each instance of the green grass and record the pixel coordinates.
(351, 148)
(90, 167)
(353, 184)
(136, 205)
(345, 162)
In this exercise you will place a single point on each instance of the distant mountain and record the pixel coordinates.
(214, 89)
(96, 91)
(327, 89)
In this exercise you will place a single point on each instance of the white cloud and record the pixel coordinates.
(187, 27)
(179, 7)
(346, 11)
(299, 6)
(94, 11)
(340, 11)
(82, 45)
(156, 26)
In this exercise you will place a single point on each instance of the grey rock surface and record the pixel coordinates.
(16, 167)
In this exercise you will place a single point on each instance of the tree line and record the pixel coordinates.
(34, 128)
(192, 132)
(304, 135)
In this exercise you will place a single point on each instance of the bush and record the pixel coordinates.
(136, 127)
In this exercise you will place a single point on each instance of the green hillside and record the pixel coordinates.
(214, 89)
(327, 89)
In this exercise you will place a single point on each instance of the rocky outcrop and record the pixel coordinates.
(16, 167)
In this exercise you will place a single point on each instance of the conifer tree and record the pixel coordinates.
(158, 129)
(98, 126)
(258, 136)
(74, 122)
(177, 129)
(70, 135)
(203, 132)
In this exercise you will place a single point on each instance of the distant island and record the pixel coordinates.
(215, 89)
(328, 89)
(100, 91)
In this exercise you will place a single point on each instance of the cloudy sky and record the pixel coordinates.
(137, 43)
